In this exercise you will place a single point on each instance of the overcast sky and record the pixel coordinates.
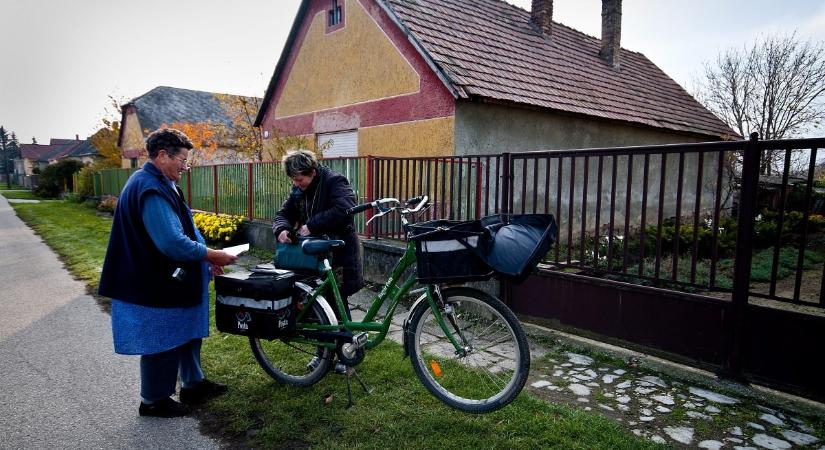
(61, 59)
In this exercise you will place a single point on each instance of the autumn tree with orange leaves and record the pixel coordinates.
(241, 130)
(205, 136)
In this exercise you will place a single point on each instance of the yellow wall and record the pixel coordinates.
(432, 137)
(132, 134)
(354, 64)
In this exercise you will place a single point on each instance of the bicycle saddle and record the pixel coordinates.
(319, 246)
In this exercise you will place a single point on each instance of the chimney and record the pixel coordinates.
(77, 137)
(541, 16)
(611, 31)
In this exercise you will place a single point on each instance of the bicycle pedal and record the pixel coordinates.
(360, 339)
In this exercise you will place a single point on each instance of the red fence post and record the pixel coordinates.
(370, 192)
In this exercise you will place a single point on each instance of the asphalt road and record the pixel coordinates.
(61, 385)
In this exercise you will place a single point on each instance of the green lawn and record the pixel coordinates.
(399, 413)
(19, 194)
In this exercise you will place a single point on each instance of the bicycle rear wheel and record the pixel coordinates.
(492, 369)
(294, 363)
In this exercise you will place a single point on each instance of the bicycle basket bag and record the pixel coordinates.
(450, 251)
(292, 257)
(255, 304)
(519, 242)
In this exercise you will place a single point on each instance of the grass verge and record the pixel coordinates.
(27, 195)
(400, 413)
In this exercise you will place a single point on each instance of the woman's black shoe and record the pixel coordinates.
(202, 391)
(163, 408)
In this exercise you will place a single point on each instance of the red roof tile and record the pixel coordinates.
(487, 48)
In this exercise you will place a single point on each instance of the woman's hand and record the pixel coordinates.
(303, 231)
(284, 237)
(219, 258)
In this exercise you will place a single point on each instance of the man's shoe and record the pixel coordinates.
(163, 408)
(202, 391)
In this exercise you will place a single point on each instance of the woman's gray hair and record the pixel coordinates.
(299, 162)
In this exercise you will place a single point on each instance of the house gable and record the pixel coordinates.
(352, 64)
(381, 80)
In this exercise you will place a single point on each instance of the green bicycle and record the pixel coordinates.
(466, 347)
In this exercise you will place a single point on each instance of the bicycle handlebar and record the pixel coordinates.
(421, 201)
(360, 208)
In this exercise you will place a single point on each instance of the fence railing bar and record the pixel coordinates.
(643, 220)
(570, 211)
(677, 230)
(809, 187)
(694, 257)
(596, 230)
(586, 177)
(558, 200)
(717, 208)
(627, 212)
(781, 221)
(611, 222)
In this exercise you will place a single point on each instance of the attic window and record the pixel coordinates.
(335, 15)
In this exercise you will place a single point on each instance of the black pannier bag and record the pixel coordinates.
(255, 304)
(518, 243)
(448, 251)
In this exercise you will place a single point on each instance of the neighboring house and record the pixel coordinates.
(41, 155)
(85, 152)
(168, 106)
(443, 77)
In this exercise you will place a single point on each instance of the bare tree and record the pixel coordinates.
(775, 87)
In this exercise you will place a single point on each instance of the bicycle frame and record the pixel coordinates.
(391, 292)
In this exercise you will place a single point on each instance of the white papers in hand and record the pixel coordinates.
(237, 249)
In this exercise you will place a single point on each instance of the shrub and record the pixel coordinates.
(107, 204)
(85, 182)
(218, 228)
(56, 178)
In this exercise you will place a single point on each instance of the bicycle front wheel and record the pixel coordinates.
(493, 365)
(294, 363)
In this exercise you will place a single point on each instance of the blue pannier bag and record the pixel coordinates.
(292, 257)
(518, 243)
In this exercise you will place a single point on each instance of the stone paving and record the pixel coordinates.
(664, 409)
(668, 411)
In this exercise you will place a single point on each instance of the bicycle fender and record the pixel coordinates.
(405, 326)
(321, 301)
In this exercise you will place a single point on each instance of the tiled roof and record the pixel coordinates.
(34, 151)
(166, 105)
(60, 149)
(84, 148)
(488, 49)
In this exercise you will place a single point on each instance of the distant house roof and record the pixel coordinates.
(34, 151)
(60, 149)
(488, 49)
(165, 104)
(84, 148)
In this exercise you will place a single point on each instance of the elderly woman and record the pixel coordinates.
(157, 271)
(317, 206)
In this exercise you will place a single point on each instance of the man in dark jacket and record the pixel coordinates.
(317, 206)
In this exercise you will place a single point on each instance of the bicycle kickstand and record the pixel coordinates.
(352, 373)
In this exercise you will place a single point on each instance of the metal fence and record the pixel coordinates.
(692, 217)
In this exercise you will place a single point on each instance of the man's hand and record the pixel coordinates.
(219, 258)
(284, 237)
